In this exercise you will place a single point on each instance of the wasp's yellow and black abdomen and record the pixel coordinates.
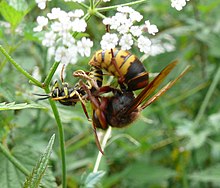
(131, 68)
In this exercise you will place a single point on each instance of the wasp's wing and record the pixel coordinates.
(148, 90)
(164, 89)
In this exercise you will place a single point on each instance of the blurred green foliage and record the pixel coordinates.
(175, 142)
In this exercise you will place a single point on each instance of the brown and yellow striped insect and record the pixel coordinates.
(124, 65)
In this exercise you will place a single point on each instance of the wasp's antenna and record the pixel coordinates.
(61, 73)
(43, 96)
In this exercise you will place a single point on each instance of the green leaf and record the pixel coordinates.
(34, 180)
(13, 106)
(141, 173)
(11, 15)
(19, 5)
(10, 176)
(211, 174)
(93, 179)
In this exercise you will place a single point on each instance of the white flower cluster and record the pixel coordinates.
(163, 43)
(77, 1)
(178, 4)
(41, 3)
(58, 37)
(123, 22)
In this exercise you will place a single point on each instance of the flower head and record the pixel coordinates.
(84, 46)
(144, 44)
(126, 42)
(124, 24)
(60, 26)
(152, 29)
(178, 4)
(109, 41)
(42, 22)
(41, 3)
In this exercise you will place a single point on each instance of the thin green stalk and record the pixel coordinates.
(91, 4)
(19, 68)
(124, 4)
(14, 161)
(99, 15)
(84, 5)
(61, 138)
(208, 97)
(98, 2)
(50, 74)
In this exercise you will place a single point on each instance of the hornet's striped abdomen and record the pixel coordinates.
(131, 68)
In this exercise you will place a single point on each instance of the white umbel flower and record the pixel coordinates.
(109, 41)
(62, 55)
(152, 29)
(84, 46)
(49, 39)
(79, 25)
(42, 22)
(126, 42)
(41, 4)
(136, 30)
(178, 4)
(144, 44)
(54, 14)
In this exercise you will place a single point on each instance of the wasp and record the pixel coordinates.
(123, 107)
(69, 96)
(124, 65)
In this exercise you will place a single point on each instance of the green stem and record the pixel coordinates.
(84, 5)
(99, 15)
(19, 68)
(98, 2)
(92, 4)
(14, 161)
(50, 74)
(124, 4)
(61, 138)
(208, 97)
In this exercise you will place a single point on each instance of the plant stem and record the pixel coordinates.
(50, 74)
(61, 138)
(19, 68)
(116, 6)
(84, 5)
(208, 97)
(92, 4)
(99, 15)
(14, 161)
(104, 142)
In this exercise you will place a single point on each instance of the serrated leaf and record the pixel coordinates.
(211, 174)
(93, 179)
(13, 106)
(10, 176)
(11, 15)
(34, 180)
(141, 173)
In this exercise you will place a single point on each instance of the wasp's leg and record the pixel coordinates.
(97, 111)
(84, 75)
(97, 139)
(97, 107)
(113, 61)
(82, 103)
